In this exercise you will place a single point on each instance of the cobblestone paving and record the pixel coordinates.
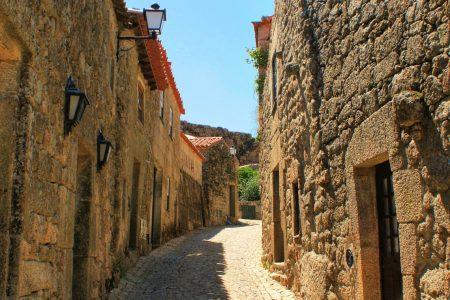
(213, 263)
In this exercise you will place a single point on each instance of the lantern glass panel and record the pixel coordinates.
(108, 151)
(154, 19)
(73, 105)
(81, 109)
(103, 148)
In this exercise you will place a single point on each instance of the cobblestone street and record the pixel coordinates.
(213, 263)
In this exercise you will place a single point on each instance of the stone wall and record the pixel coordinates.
(359, 83)
(190, 191)
(220, 185)
(190, 207)
(256, 205)
(69, 230)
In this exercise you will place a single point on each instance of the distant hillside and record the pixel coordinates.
(246, 146)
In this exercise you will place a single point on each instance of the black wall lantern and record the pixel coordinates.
(103, 150)
(155, 18)
(76, 102)
(349, 258)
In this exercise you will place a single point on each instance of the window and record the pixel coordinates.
(274, 81)
(161, 105)
(171, 123)
(140, 104)
(168, 194)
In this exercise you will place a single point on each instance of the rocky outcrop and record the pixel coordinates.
(247, 147)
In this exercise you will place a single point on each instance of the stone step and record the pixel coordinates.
(278, 267)
(282, 279)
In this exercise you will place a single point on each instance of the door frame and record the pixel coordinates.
(372, 144)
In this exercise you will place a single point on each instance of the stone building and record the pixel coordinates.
(70, 226)
(220, 193)
(355, 146)
(190, 191)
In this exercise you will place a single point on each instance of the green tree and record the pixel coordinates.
(251, 190)
(248, 184)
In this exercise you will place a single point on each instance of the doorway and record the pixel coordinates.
(391, 276)
(156, 210)
(11, 115)
(232, 201)
(132, 242)
(278, 235)
(81, 240)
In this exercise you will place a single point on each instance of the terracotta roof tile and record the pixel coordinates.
(204, 142)
(187, 140)
(161, 67)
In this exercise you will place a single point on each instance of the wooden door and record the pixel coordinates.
(391, 276)
(156, 210)
(278, 234)
(134, 204)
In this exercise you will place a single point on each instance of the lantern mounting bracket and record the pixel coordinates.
(153, 36)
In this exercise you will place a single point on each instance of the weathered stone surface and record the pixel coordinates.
(409, 108)
(63, 221)
(408, 189)
(314, 276)
(435, 284)
(372, 87)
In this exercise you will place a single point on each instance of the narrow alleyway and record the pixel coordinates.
(213, 263)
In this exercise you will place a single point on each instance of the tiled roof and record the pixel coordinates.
(187, 140)
(157, 58)
(203, 143)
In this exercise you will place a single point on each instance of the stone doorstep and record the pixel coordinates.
(282, 279)
(277, 272)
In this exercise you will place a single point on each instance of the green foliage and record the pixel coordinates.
(259, 58)
(248, 184)
(259, 84)
(251, 190)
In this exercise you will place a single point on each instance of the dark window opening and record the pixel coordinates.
(141, 104)
(134, 207)
(161, 105)
(168, 194)
(297, 216)
(274, 81)
(171, 123)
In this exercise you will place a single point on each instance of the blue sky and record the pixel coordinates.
(206, 42)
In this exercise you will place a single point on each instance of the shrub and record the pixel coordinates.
(251, 190)
(248, 184)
